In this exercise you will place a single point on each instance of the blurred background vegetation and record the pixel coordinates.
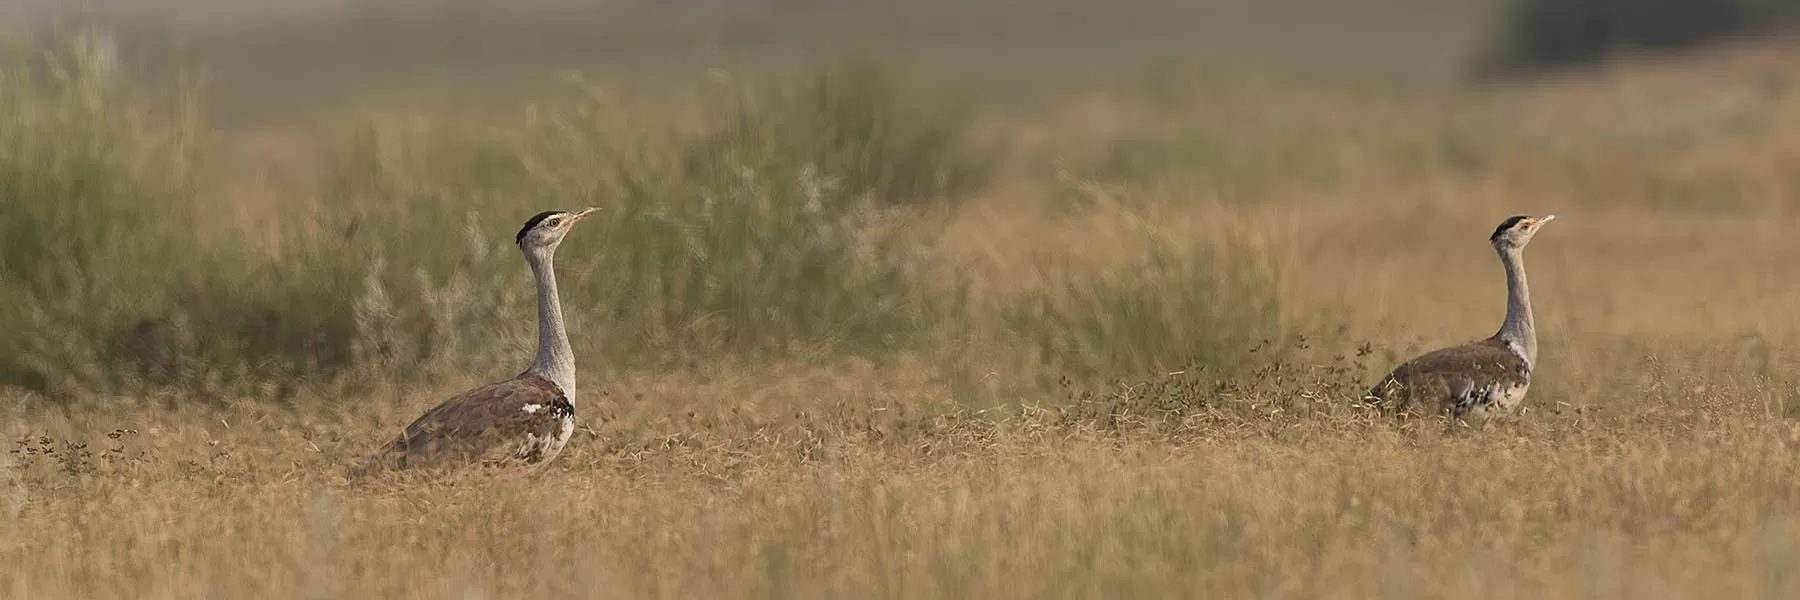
(234, 197)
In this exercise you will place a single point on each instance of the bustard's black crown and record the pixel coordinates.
(533, 222)
(1504, 225)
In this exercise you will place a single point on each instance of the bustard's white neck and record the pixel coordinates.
(1518, 331)
(555, 361)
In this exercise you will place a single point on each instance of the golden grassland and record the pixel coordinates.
(1658, 454)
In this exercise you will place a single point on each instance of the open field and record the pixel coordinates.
(871, 328)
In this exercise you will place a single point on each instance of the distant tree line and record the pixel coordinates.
(1548, 34)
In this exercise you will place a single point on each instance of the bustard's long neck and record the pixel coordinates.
(555, 361)
(1518, 330)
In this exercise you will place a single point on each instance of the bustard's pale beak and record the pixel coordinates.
(584, 212)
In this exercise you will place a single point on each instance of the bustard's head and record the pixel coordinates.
(1515, 232)
(545, 230)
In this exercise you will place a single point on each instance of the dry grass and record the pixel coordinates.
(1683, 492)
(1658, 456)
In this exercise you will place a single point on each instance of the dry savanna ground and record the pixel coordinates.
(1117, 364)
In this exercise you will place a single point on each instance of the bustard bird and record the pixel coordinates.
(1485, 378)
(528, 417)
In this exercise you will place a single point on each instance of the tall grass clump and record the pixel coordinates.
(772, 230)
(96, 185)
(119, 281)
(1539, 34)
(413, 235)
(779, 225)
(783, 225)
(1184, 304)
(856, 122)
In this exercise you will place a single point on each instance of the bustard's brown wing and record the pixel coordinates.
(503, 417)
(1440, 379)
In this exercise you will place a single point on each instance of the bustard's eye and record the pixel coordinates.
(553, 222)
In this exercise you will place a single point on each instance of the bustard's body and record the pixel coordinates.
(527, 418)
(1482, 379)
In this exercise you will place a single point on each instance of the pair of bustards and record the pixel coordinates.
(529, 418)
